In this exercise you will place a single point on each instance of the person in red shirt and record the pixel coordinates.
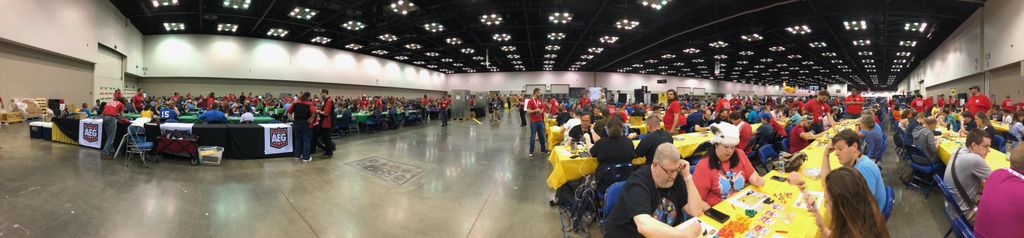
(553, 106)
(929, 102)
(673, 117)
(326, 123)
(941, 102)
(918, 104)
(779, 129)
(117, 94)
(377, 103)
(363, 103)
(304, 114)
(735, 103)
(442, 109)
(819, 111)
(175, 98)
(535, 107)
(110, 113)
(746, 133)
(1008, 104)
(797, 104)
(854, 104)
(585, 101)
(978, 102)
(138, 101)
(424, 101)
(722, 104)
(725, 164)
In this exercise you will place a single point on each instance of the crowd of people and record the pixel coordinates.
(656, 195)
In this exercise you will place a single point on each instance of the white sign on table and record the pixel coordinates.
(277, 138)
(90, 133)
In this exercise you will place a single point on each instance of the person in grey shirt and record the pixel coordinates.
(924, 138)
(971, 171)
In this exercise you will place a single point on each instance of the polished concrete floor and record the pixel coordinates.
(478, 181)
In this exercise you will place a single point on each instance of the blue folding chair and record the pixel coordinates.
(999, 143)
(766, 154)
(610, 197)
(137, 144)
(953, 212)
(785, 144)
(923, 168)
(890, 202)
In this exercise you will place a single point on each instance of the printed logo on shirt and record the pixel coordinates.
(91, 132)
(666, 211)
(278, 137)
(729, 183)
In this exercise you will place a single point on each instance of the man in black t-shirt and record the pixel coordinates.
(655, 137)
(653, 198)
(585, 128)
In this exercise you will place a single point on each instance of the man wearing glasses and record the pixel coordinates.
(653, 199)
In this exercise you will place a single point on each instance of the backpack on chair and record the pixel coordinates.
(578, 200)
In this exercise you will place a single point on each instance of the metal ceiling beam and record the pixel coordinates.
(697, 28)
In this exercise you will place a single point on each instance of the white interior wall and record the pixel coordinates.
(215, 56)
(615, 82)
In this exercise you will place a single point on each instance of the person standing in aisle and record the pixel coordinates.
(978, 102)
(535, 107)
(522, 110)
(302, 113)
(110, 112)
(854, 104)
(326, 123)
(442, 109)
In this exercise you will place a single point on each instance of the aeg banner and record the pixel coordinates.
(90, 133)
(277, 138)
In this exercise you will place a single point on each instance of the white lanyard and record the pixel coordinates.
(1015, 173)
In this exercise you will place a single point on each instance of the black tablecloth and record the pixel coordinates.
(240, 141)
(69, 126)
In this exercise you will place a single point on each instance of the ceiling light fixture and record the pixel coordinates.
(856, 25)
(413, 46)
(380, 52)
(237, 4)
(861, 42)
(467, 50)
(752, 37)
(818, 44)
(626, 24)
(174, 26)
(777, 48)
(501, 37)
(303, 13)
(433, 27)
(387, 37)
(431, 54)
(402, 7)
(556, 36)
(908, 43)
(829, 54)
(718, 44)
(453, 41)
(552, 47)
(353, 25)
(800, 30)
(354, 46)
(903, 54)
(278, 32)
(164, 3)
(609, 39)
(321, 40)
(227, 27)
(550, 56)
(746, 52)
(865, 53)
(691, 50)
(668, 56)
(656, 4)
(560, 17)
(915, 26)
(508, 48)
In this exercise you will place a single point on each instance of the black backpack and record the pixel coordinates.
(577, 200)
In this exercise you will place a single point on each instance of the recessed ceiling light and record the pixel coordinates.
(903, 54)
(721, 56)
(387, 37)
(550, 56)
(560, 17)
(718, 44)
(446, 60)
(353, 25)
(492, 19)
(433, 27)
(626, 24)
(432, 66)
(794, 56)
(668, 56)
(453, 41)
(829, 54)
(856, 25)
(379, 52)
(609, 39)
(478, 58)
(800, 30)
(861, 42)
(746, 52)
(586, 56)
(691, 50)
(278, 32)
(513, 56)
(501, 37)
(818, 44)
(656, 4)
(354, 46)
(908, 43)
(164, 3)
(837, 62)
(766, 60)
(549, 62)
(227, 27)
(915, 26)
(174, 26)
(413, 46)
(467, 50)
(401, 57)
(418, 62)
(552, 47)
(741, 62)
(651, 61)
(752, 37)
(402, 7)
(556, 36)
(868, 61)
(321, 40)
(865, 53)
(303, 13)
(508, 48)
(698, 60)
(431, 54)
(237, 4)
(517, 62)
(457, 64)
(777, 48)
(869, 66)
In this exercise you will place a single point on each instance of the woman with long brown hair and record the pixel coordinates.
(853, 211)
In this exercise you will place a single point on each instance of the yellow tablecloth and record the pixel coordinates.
(792, 221)
(567, 168)
(555, 135)
(1000, 127)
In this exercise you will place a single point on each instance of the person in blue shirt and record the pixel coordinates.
(213, 116)
(169, 112)
(846, 144)
(696, 121)
(753, 116)
(874, 138)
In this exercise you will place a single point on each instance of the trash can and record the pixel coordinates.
(46, 131)
(34, 130)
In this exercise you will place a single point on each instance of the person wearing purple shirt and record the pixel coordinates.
(999, 211)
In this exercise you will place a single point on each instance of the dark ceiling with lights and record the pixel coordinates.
(866, 43)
